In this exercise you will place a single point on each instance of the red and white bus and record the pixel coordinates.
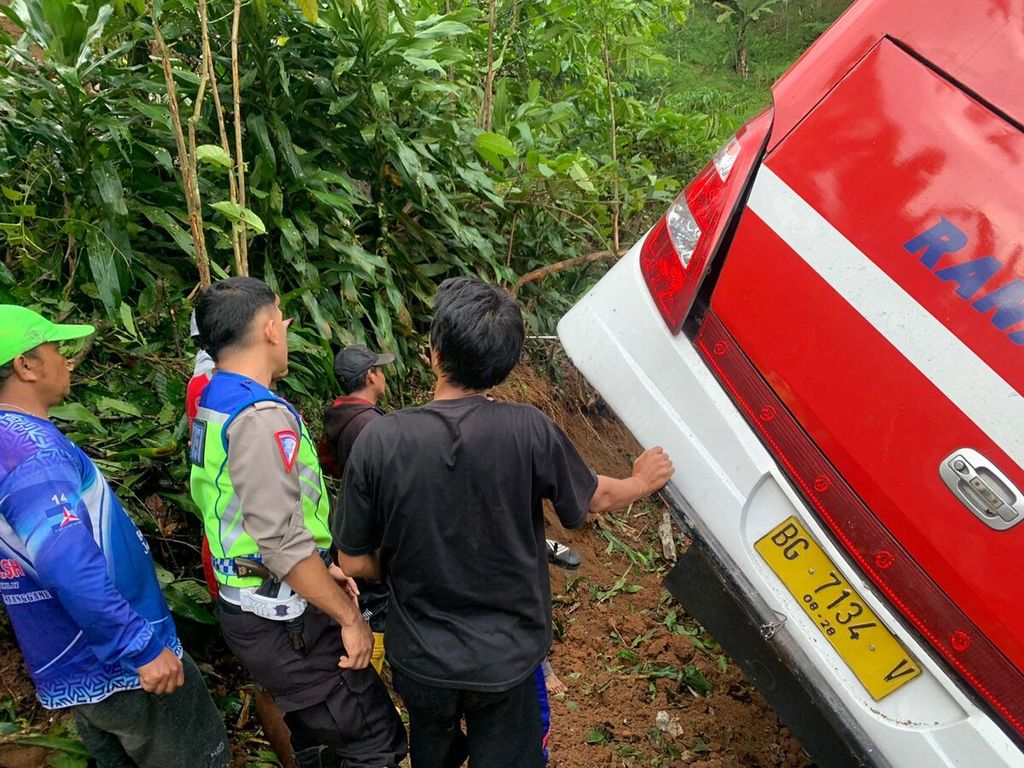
(826, 333)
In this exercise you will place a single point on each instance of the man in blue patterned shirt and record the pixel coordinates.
(78, 582)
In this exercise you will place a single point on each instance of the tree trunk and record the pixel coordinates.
(483, 119)
(742, 68)
(616, 210)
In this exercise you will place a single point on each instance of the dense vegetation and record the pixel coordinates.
(353, 153)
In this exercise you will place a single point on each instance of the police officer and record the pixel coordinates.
(257, 480)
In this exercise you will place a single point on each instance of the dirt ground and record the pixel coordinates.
(646, 685)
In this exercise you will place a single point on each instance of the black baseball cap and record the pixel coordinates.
(353, 362)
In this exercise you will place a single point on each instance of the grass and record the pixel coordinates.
(702, 78)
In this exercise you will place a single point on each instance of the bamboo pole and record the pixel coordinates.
(190, 183)
(239, 157)
(614, 137)
(211, 71)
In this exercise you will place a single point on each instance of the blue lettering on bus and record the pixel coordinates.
(970, 277)
(945, 237)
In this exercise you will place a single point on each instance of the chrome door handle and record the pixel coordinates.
(982, 488)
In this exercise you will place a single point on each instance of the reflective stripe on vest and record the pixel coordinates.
(214, 493)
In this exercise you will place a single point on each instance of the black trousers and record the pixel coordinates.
(503, 730)
(338, 717)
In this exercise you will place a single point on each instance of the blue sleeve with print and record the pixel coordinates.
(44, 505)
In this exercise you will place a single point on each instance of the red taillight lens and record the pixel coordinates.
(677, 252)
(896, 574)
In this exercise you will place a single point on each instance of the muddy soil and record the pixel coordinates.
(626, 652)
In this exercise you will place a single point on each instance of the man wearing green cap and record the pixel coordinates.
(77, 579)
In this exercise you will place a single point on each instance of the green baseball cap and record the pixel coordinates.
(21, 329)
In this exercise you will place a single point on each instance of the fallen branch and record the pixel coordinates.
(561, 266)
(14, 738)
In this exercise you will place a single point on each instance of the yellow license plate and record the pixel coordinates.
(874, 655)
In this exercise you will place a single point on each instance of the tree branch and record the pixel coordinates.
(561, 266)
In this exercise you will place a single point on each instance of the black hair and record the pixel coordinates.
(348, 386)
(477, 332)
(225, 311)
(7, 369)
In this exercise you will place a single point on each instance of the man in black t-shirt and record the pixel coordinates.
(445, 503)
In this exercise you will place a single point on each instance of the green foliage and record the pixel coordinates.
(740, 14)
(368, 180)
(372, 170)
(702, 78)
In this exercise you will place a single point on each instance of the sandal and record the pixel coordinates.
(563, 556)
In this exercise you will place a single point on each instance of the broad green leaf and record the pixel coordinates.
(108, 186)
(492, 147)
(316, 314)
(693, 679)
(446, 28)
(62, 743)
(362, 258)
(15, 19)
(103, 267)
(333, 200)
(380, 95)
(241, 214)
(185, 605)
(378, 11)
(403, 18)
(579, 175)
(108, 404)
(127, 320)
(526, 134)
(496, 143)
(76, 413)
(290, 235)
(65, 760)
(11, 194)
(422, 64)
(181, 236)
(93, 34)
(310, 231)
(410, 162)
(214, 155)
(163, 576)
(310, 9)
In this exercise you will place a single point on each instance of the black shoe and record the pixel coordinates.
(561, 555)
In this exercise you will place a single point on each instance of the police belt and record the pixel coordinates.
(230, 596)
(226, 565)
